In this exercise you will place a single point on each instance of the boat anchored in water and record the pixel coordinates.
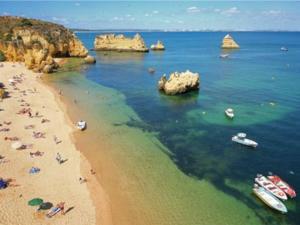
(269, 199)
(229, 113)
(282, 185)
(284, 49)
(271, 187)
(241, 139)
(81, 125)
(224, 56)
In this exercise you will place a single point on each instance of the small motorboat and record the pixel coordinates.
(81, 125)
(284, 49)
(241, 139)
(282, 185)
(270, 186)
(229, 113)
(269, 199)
(224, 56)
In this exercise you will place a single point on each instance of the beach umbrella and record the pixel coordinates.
(35, 202)
(17, 145)
(45, 206)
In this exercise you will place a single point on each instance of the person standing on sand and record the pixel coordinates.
(58, 158)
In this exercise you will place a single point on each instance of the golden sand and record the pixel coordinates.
(55, 182)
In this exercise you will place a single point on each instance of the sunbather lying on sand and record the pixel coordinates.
(4, 129)
(7, 123)
(37, 153)
(31, 126)
(56, 140)
(60, 207)
(45, 120)
(24, 111)
(4, 183)
(11, 138)
(38, 134)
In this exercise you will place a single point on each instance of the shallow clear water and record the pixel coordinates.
(259, 81)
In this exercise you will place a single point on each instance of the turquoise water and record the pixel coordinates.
(259, 81)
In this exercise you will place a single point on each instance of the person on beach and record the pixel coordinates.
(59, 207)
(58, 158)
(82, 180)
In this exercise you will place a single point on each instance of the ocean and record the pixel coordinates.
(173, 157)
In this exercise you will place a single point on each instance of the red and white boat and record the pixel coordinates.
(271, 187)
(282, 185)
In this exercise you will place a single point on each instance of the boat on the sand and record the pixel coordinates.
(81, 125)
(282, 185)
(269, 199)
(241, 139)
(270, 186)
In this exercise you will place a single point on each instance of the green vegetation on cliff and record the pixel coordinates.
(2, 56)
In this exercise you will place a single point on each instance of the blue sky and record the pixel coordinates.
(169, 15)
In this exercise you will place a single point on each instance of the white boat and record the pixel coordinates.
(241, 139)
(229, 113)
(269, 199)
(81, 125)
(224, 56)
(271, 187)
(284, 49)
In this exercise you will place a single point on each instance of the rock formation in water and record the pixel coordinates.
(112, 42)
(37, 42)
(179, 83)
(89, 59)
(159, 46)
(229, 43)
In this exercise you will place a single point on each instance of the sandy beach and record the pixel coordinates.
(44, 132)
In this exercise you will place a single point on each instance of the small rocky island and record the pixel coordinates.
(36, 43)
(159, 46)
(179, 83)
(229, 43)
(112, 42)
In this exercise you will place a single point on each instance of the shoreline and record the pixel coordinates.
(54, 182)
(95, 188)
(137, 162)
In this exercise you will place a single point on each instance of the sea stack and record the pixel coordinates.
(179, 83)
(229, 43)
(112, 42)
(90, 59)
(37, 43)
(159, 46)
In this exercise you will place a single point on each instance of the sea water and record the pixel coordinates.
(175, 154)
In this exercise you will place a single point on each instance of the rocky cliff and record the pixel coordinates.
(37, 42)
(179, 83)
(159, 46)
(229, 43)
(112, 42)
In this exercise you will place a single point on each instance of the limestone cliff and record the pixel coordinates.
(37, 42)
(179, 83)
(159, 46)
(229, 43)
(112, 42)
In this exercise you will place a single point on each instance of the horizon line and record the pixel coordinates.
(172, 30)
